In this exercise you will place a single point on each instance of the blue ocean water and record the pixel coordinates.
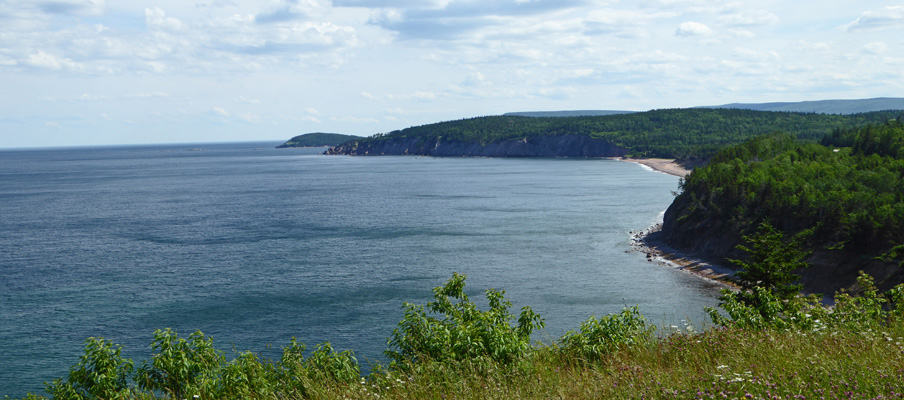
(254, 245)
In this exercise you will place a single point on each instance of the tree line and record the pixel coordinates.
(695, 133)
(844, 193)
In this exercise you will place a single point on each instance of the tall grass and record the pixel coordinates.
(786, 349)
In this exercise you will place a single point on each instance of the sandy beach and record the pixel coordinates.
(665, 165)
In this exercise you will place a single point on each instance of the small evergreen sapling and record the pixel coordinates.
(771, 263)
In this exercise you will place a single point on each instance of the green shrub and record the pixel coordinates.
(326, 363)
(463, 332)
(599, 337)
(102, 373)
(861, 309)
(760, 308)
(181, 368)
(247, 377)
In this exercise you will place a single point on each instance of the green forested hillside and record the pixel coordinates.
(845, 197)
(676, 133)
(317, 139)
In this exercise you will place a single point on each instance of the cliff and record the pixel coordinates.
(838, 202)
(567, 145)
(714, 240)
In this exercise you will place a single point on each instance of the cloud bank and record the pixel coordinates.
(96, 72)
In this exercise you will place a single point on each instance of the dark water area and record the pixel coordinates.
(254, 245)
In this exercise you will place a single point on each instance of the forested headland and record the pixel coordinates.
(685, 134)
(841, 199)
(317, 139)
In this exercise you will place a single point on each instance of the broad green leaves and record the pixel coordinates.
(456, 330)
(598, 337)
(102, 373)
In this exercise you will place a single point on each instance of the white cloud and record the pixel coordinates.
(819, 46)
(456, 20)
(422, 61)
(245, 100)
(416, 96)
(750, 18)
(623, 23)
(757, 56)
(290, 10)
(558, 93)
(155, 18)
(692, 29)
(741, 33)
(72, 7)
(355, 120)
(891, 16)
(875, 48)
(145, 95)
(92, 97)
(44, 60)
(252, 118)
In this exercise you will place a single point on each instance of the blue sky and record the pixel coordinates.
(96, 72)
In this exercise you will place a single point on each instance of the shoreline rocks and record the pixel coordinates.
(649, 242)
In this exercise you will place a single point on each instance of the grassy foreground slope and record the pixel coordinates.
(675, 133)
(450, 349)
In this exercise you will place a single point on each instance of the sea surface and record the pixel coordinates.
(253, 245)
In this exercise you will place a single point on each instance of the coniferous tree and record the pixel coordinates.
(770, 262)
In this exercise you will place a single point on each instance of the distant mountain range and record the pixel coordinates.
(825, 106)
(843, 107)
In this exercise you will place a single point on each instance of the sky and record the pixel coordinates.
(106, 72)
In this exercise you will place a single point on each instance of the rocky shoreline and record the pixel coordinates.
(649, 242)
(646, 241)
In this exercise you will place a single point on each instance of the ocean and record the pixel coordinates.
(254, 245)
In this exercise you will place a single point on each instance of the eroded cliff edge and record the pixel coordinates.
(712, 236)
(567, 145)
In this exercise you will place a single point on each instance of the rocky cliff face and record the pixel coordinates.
(707, 234)
(536, 146)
